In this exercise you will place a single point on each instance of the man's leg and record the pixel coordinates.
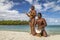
(33, 30)
(30, 27)
(33, 27)
(44, 33)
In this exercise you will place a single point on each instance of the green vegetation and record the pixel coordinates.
(11, 22)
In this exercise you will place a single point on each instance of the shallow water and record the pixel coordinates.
(51, 29)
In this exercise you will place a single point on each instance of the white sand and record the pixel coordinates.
(10, 35)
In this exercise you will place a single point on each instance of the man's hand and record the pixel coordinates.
(27, 15)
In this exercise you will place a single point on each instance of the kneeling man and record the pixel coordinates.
(41, 22)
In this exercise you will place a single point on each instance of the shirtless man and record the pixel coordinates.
(32, 15)
(41, 26)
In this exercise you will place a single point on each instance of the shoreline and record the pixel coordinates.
(13, 35)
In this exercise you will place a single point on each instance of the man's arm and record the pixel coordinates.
(28, 14)
(44, 23)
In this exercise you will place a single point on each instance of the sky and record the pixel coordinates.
(17, 9)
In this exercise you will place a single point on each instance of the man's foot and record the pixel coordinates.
(34, 34)
(45, 36)
(38, 35)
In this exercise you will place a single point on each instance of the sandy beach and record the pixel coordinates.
(12, 35)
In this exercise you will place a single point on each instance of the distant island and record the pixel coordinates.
(13, 22)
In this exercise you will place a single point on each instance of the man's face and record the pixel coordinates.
(32, 8)
(39, 16)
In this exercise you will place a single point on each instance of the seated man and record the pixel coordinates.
(41, 26)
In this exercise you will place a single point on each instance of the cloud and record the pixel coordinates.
(5, 5)
(56, 8)
(7, 14)
(2, 0)
(48, 5)
(38, 7)
(13, 15)
(51, 5)
(53, 21)
(30, 1)
(58, 1)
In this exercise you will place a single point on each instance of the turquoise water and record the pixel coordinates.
(51, 29)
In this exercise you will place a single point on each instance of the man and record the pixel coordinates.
(32, 15)
(41, 26)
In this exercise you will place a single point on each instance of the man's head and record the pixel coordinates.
(32, 7)
(39, 15)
